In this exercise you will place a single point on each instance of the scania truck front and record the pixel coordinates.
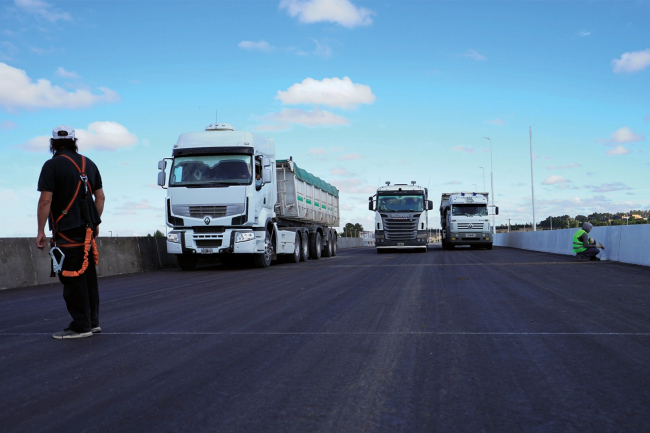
(401, 217)
(464, 220)
(228, 196)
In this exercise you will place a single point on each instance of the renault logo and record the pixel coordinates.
(469, 226)
(206, 220)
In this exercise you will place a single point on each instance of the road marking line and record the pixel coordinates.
(643, 334)
(463, 264)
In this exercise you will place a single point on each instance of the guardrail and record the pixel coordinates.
(24, 265)
(627, 244)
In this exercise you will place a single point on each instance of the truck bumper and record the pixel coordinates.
(215, 243)
(463, 239)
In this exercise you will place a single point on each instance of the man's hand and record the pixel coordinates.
(96, 232)
(40, 240)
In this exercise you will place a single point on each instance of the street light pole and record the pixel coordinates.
(483, 178)
(492, 183)
(532, 181)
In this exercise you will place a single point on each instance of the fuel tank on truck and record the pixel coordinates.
(304, 197)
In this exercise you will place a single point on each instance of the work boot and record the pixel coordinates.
(594, 259)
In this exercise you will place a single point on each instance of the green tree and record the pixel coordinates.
(351, 230)
(157, 234)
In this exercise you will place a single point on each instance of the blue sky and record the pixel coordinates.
(358, 92)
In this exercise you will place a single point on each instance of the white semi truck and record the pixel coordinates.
(464, 220)
(227, 195)
(401, 217)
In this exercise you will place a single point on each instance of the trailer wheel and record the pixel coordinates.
(304, 247)
(335, 243)
(187, 262)
(263, 260)
(327, 251)
(315, 246)
(295, 257)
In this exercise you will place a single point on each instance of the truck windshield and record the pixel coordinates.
(211, 170)
(469, 210)
(400, 203)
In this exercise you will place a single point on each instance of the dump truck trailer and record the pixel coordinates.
(228, 196)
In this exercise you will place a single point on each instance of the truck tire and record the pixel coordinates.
(335, 244)
(327, 251)
(489, 247)
(315, 246)
(263, 260)
(187, 262)
(295, 257)
(304, 247)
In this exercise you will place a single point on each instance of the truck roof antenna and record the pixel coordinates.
(387, 183)
(412, 182)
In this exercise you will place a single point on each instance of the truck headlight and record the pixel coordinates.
(423, 236)
(174, 237)
(244, 236)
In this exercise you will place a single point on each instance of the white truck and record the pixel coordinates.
(228, 196)
(401, 217)
(464, 220)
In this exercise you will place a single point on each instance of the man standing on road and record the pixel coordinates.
(581, 245)
(67, 183)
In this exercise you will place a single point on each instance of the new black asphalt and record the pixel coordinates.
(465, 340)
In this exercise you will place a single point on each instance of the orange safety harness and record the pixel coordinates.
(64, 242)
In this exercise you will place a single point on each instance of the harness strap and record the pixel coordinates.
(82, 179)
(89, 243)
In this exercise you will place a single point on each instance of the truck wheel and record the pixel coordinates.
(187, 262)
(327, 251)
(264, 260)
(295, 257)
(304, 247)
(489, 247)
(315, 246)
(335, 243)
(423, 250)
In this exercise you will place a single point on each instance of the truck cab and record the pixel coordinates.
(464, 220)
(401, 217)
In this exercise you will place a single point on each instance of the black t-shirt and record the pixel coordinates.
(60, 177)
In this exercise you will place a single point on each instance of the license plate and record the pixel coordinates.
(470, 235)
(206, 251)
(400, 244)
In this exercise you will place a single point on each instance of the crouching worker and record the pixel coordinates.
(67, 184)
(581, 245)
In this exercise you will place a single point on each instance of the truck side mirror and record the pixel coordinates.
(370, 206)
(496, 210)
(429, 205)
(267, 173)
(162, 175)
(161, 178)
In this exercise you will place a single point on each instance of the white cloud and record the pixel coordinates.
(349, 157)
(42, 9)
(498, 122)
(8, 124)
(336, 149)
(554, 180)
(261, 46)
(341, 172)
(619, 150)
(317, 151)
(322, 49)
(342, 12)
(332, 92)
(463, 149)
(109, 136)
(632, 62)
(311, 119)
(583, 33)
(474, 55)
(608, 187)
(66, 74)
(355, 186)
(623, 135)
(562, 167)
(17, 91)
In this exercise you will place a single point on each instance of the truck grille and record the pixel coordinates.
(401, 230)
(211, 211)
(466, 226)
(209, 243)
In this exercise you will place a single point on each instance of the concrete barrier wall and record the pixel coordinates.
(22, 264)
(628, 244)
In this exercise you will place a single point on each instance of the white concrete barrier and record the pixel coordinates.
(628, 244)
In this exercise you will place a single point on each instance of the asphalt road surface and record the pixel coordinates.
(472, 340)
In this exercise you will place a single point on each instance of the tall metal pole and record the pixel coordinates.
(532, 180)
(492, 184)
(483, 178)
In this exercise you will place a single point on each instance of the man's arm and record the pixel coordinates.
(585, 240)
(43, 210)
(100, 198)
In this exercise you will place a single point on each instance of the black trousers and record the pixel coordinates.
(81, 294)
(590, 252)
